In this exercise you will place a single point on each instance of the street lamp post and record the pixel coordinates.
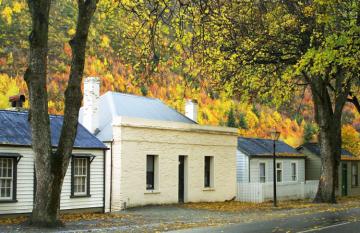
(275, 136)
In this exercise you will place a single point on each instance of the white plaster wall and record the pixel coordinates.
(133, 143)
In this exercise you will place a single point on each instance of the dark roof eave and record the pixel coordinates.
(279, 157)
(75, 147)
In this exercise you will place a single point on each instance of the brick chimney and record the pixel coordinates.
(191, 109)
(91, 105)
(16, 102)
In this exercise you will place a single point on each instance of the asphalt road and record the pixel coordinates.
(347, 221)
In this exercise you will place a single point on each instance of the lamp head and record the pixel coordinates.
(275, 135)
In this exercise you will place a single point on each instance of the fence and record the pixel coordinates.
(260, 192)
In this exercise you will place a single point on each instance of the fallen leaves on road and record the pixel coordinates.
(66, 217)
(235, 206)
(13, 220)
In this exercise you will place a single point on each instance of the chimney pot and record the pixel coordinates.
(91, 105)
(17, 101)
(191, 109)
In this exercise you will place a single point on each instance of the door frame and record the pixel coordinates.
(182, 178)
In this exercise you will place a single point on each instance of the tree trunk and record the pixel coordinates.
(330, 150)
(48, 185)
(50, 166)
(328, 113)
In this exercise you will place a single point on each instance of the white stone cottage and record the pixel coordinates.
(348, 169)
(83, 187)
(157, 155)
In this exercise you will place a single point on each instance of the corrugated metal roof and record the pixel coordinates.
(15, 130)
(315, 149)
(258, 147)
(115, 104)
(144, 107)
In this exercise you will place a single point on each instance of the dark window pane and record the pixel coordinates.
(150, 169)
(207, 169)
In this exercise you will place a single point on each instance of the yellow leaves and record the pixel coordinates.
(7, 14)
(8, 11)
(71, 32)
(8, 87)
(17, 7)
(105, 41)
(308, 11)
(277, 117)
(351, 139)
(251, 119)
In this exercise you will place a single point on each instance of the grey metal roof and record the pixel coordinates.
(258, 147)
(315, 149)
(144, 107)
(15, 130)
(115, 104)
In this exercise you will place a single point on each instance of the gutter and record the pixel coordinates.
(249, 168)
(104, 180)
(111, 174)
(74, 147)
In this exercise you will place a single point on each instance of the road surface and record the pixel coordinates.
(347, 221)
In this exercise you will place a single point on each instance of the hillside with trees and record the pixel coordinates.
(165, 70)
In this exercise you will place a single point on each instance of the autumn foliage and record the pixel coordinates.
(111, 56)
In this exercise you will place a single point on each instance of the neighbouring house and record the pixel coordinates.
(83, 187)
(158, 155)
(255, 171)
(348, 168)
(255, 161)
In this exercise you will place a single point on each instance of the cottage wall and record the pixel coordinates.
(25, 183)
(242, 167)
(132, 142)
(313, 172)
(286, 169)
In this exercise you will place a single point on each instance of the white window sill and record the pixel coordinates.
(209, 189)
(152, 192)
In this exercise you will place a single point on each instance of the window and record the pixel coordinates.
(262, 172)
(355, 174)
(7, 179)
(150, 171)
(279, 172)
(80, 178)
(293, 172)
(208, 170)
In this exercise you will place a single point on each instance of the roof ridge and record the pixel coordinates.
(132, 95)
(255, 138)
(27, 112)
(14, 111)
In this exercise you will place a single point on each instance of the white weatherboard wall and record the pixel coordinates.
(136, 138)
(25, 183)
(242, 167)
(286, 169)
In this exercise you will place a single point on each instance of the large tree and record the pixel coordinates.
(268, 49)
(50, 164)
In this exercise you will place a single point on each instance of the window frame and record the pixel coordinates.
(354, 164)
(279, 169)
(209, 178)
(262, 163)
(15, 157)
(296, 171)
(153, 172)
(89, 159)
